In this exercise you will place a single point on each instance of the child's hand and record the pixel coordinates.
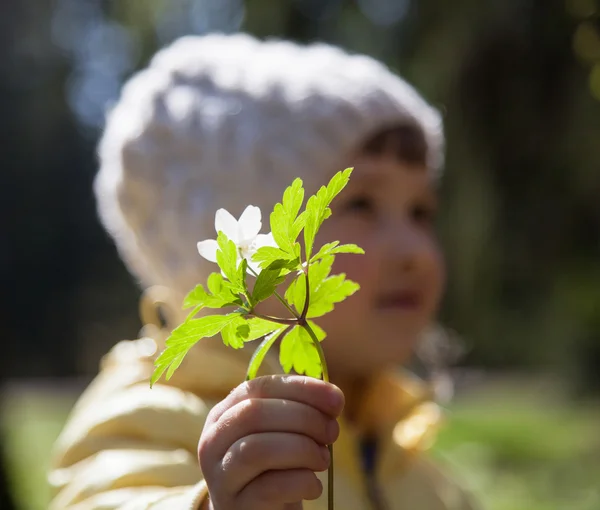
(261, 445)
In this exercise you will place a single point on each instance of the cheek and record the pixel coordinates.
(438, 273)
(362, 269)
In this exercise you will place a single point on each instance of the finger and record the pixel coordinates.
(256, 415)
(275, 488)
(254, 455)
(326, 397)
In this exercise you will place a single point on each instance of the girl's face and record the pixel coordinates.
(388, 209)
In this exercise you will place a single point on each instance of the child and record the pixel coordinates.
(227, 121)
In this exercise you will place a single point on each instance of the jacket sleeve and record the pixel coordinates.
(430, 484)
(129, 447)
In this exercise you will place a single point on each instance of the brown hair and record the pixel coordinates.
(405, 142)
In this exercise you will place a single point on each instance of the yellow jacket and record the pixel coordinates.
(129, 447)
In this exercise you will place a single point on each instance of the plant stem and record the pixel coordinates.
(317, 344)
(278, 320)
(278, 296)
(307, 302)
(285, 303)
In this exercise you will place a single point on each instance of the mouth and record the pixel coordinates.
(405, 300)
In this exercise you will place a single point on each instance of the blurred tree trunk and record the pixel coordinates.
(6, 501)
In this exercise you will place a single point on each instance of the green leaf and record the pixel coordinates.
(260, 327)
(298, 225)
(337, 184)
(241, 275)
(293, 197)
(295, 294)
(317, 207)
(184, 337)
(196, 297)
(333, 249)
(325, 290)
(285, 225)
(266, 283)
(215, 283)
(332, 290)
(318, 271)
(261, 352)
(298, 352)
(227, 259)
(199, 298)
(317, 330)
(233, 333)
(269, 256)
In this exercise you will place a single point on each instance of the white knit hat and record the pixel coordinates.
(227, 121)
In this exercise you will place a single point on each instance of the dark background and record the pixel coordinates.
(516, 81)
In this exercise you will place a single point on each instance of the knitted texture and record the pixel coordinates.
(227, 121)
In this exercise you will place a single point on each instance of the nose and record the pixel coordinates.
(407, 246)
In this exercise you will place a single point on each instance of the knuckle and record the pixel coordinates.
(260, 386)
(252, 412)
(246, 451)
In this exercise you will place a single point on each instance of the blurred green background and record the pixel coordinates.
(518, 82)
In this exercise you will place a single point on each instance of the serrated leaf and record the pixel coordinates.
(269, 256)
(199, 298)
(298, 352)
(260, 327)
(325, 290)
(241, 276)
(285, 224)
(227, 259)
(196, 297)
(233, 333)
(298, 225)
(295, 294)
(317, 330)
(215, 283)
(293, 197)
(278, 222)
(332, 290)
(337, 183)
(184, 337)
(266, 283)
(334, 249)
(317, 207)
(318, 271)
(261, 352)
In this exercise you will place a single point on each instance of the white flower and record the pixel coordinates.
(243, 232)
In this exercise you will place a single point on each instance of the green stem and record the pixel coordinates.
(307, 300)
(285, 303)
(317, 344)
(278, 296)
(278, 320)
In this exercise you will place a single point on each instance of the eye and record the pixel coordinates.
(424, 214)
(360, 204)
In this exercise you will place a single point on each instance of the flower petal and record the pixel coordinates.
(264, 240)
(208, 249)
(226, 223)
(250, 223)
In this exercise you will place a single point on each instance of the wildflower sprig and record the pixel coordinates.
(268, 261)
